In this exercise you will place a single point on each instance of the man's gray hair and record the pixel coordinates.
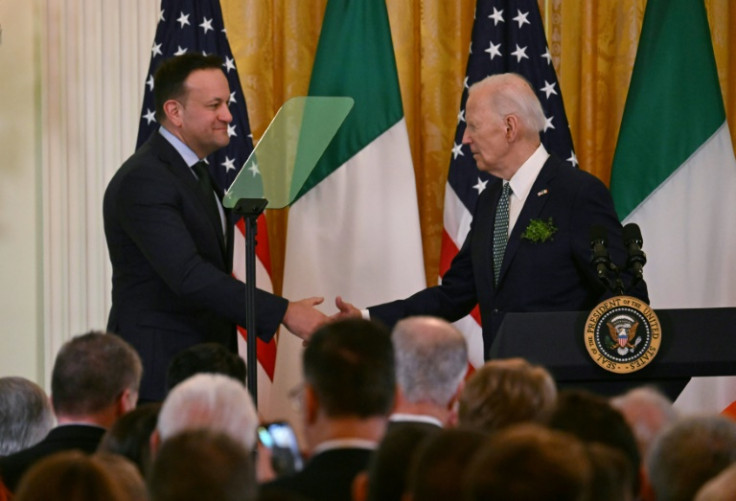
(688, 454)
(431, 359)
(513, 94)
(25, 414)
(211, 402)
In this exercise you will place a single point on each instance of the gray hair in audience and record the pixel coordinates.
(688, 454)
(431, 359)
(213, 402)
(25, 414)
(648, 411)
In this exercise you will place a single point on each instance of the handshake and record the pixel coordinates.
(302, 318)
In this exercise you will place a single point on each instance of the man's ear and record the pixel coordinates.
(126, 402)
(511, 122)
(173, 111)
(154, 442)
(311, 404)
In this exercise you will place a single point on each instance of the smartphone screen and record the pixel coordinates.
(280, 438)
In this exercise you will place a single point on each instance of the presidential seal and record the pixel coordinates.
(622, 334)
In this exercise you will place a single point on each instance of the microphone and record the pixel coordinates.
(601, 260)
(636, 257)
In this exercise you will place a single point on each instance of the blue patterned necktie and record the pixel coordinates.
(501, 230)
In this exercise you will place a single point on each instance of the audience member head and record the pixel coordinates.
(529, 462)
(722, 487)
(613, 473)
(389, 467)
(438, 466)
(592, 418)
(647, 411)
(349, 368)
(210, 401)
(130, 436)
(688, 454)
(69, 476)
(125, 474)
(202, 464)
(212, 358)
(95, 378)
(25, 414)
(506, 392)
(431, 362)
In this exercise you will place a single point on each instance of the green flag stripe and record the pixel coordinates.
(355, 58)
(674, 102)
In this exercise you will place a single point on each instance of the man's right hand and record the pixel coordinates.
(347, 310)
(302, 318)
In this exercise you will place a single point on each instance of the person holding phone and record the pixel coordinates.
(348, 393)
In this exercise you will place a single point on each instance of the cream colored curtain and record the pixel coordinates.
(593, 43)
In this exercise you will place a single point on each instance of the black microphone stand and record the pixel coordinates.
(250, 209)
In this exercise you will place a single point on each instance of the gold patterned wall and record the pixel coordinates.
(593, 43)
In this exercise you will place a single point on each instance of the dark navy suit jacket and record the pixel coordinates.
(171, 281)
(555, 275)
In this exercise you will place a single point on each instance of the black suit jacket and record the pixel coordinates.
(171, 281)
(555, 275)
(62, 438)
(328, 476)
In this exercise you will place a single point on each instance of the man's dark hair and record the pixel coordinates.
(91, 371)
(592, 418)
(202, 464)
(350, 366)
(130, 435)
(211, 358)
(168, 81)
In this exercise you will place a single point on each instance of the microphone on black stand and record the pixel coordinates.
(602, 260)
(636, 257)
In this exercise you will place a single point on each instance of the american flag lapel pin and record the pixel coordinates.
(542, 192)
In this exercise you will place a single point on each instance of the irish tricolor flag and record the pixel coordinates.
(354, 231)
(674, 173)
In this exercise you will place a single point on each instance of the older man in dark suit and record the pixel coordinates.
(167, 234)
(528, 248)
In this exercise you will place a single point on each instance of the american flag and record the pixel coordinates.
(508, 36)
(197, 26)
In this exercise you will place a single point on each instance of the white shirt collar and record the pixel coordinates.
(523, 180)
(185, 151)
(414, 418)
(345, 443)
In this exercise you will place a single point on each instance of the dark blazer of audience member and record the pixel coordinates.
(688, 454)
(506, 392)
(349, 387)
(25, 414)
(592, 418)
(531, 463)
(431, 363)
(94, 381)
(202, 465)
(212, 358)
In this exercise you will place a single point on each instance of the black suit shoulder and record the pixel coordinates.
(328, 476)
(85, 438)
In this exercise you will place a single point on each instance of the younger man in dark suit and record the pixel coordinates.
(169, 240)
(348, 393)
